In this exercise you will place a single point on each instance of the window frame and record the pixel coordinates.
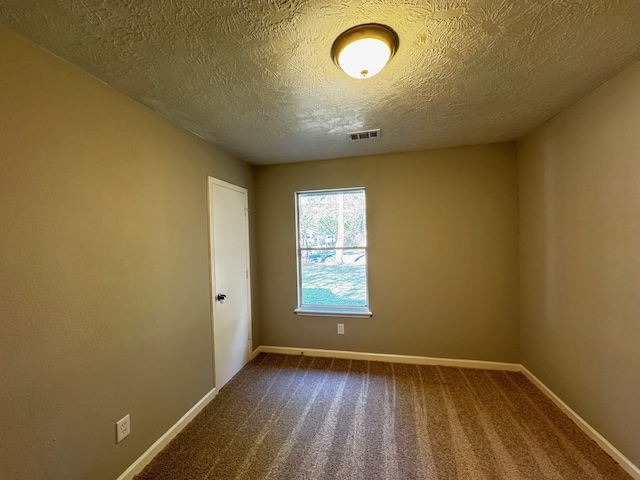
(362, 311)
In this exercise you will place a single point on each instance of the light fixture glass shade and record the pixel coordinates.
(364, 58)
(363, 51)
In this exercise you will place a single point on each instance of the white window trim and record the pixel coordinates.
(332, 312)
(329, 311)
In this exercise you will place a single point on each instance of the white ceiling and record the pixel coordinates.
(256, 77)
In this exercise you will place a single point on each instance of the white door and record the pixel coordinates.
(231, 309)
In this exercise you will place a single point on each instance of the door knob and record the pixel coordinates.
(220, 297)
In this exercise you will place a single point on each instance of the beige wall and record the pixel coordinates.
(104, 272)
(443, 261)
(579, 181)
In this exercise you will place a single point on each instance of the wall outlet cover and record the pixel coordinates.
(123, 428)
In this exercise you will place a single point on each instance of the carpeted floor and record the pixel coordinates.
(296, 417)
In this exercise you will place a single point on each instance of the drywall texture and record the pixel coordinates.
(442, 232)
(257, 76)
(579, 182)
(104, 276)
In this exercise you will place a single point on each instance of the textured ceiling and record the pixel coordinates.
(256, 77)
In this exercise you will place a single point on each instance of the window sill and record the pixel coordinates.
(333, 312)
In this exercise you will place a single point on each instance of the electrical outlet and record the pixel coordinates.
(341, 329)
(123, 428)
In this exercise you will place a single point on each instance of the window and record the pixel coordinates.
(332, 253)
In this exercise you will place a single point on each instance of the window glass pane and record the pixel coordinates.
(332, 219)
(334, 278)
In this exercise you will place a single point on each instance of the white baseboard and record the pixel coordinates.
(623, 461)
(137, 466)
(385, 357)
(255, 353)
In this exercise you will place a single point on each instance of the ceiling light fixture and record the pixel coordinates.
(364, 50)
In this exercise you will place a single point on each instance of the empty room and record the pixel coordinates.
(303, 239)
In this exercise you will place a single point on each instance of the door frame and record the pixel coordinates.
(211, 181)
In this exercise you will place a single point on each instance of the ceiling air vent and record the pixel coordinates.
(365, 135)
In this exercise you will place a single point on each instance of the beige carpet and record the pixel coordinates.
(295, 417)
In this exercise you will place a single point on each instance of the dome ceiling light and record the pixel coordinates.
(364, 50)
